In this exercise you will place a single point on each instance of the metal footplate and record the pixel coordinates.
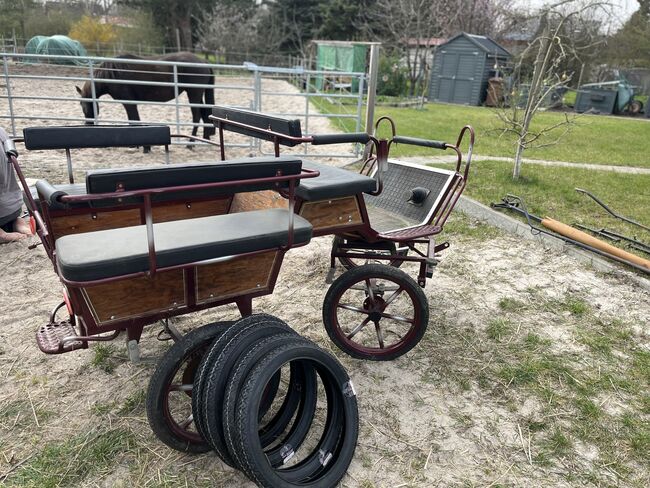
(50, 338)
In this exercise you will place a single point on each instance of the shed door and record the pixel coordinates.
(457, 76)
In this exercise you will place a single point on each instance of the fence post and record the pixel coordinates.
(5, 62)
(93, 92)
(258, 90)
(373, 71)
(178, 116)
(362, 78)
(307, 108)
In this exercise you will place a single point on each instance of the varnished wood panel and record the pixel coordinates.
(136, 296)
(234, 277)
(190, 210)
(324, 214)
(257, 200)
(76, 224)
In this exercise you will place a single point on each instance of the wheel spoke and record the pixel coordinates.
(347, 306)
(186, 423)
(397, 318)
(369, 291)
(393, 296)
(380, 336)
(358, 328)
(181, 387)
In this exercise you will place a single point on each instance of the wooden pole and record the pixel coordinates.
(577, 235)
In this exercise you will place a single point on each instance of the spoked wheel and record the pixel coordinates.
(349, 263)
(169, 407)
(375, 312)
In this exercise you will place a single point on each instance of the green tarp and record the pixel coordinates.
(337, 57)
(56, 46)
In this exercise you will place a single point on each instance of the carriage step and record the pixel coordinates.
(50, 338)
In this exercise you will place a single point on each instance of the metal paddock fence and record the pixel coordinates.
(33, 87)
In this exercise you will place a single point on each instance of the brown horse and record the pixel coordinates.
(124, 70)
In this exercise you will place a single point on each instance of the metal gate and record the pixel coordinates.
(33, 84)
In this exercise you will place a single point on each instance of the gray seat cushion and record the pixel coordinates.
(333, 183)
(108, 253)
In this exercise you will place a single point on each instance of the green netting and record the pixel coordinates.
(56, 46)
(336, 57)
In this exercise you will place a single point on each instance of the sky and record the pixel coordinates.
(624, 8)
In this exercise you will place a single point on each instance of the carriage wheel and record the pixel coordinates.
(375, 312)
(349, 263)
(169, 406)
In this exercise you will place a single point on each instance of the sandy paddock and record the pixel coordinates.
(426, 418)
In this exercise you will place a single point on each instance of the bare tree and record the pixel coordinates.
(407, 25)
(556, 42)
(232, 29)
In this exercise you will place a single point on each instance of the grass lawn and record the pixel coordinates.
(549, 191)
(597, 139)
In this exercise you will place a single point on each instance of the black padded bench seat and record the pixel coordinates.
(109, 253)
(86, 136)
(161, 176)
(333, 182)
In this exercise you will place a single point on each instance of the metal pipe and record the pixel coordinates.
(610, 211)
(5, 63)
(93, 91)
(176, 93)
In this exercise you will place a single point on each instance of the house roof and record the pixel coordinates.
(484, 43)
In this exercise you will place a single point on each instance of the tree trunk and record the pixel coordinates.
(518, 157)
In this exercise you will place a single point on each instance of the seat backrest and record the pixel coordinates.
(128, 179)
(288, 127)
(85, 136)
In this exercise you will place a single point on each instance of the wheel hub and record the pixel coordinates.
(375, 309)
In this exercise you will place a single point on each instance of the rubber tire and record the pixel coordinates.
(352, 277)
(192, 343)
(300, 399)
(206, 363)
(220, 360)
(342, 424)
(348, 263)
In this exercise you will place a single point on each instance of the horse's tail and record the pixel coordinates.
(208, 100)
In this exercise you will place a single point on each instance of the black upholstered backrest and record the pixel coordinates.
(81, 136)
(164, 176)
(288, 127)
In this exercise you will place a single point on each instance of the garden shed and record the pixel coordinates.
(462, 66)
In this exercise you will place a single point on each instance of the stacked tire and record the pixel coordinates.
(269, 402)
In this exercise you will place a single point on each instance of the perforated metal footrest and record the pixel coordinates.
(50, 338)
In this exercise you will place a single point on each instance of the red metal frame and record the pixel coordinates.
(408, 237)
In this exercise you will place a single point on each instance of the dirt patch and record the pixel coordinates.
(425, 421)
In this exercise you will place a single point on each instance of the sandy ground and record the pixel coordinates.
(411, 409)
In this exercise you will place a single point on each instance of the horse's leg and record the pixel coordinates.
(132, 114)
(194, 96)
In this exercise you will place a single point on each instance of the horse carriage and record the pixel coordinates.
(137, 246)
